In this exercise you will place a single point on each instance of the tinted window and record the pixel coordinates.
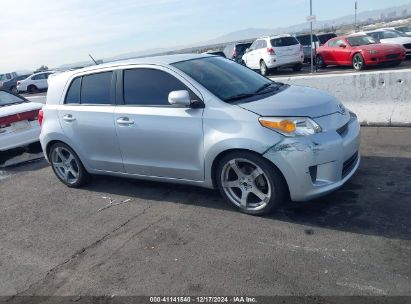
(95, 89)
(389, 34)
(284, 41)
(324, 38)
(7, 99)
(224, 78)
(240, 48)
(306, 39)
(361, 40)
(73, 93)
(39, 77)
(149, 87)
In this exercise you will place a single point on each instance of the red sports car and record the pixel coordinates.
(358, 51)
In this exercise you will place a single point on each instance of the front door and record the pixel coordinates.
(158, 139)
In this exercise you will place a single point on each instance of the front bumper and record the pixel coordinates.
(316, 165)
(381, 59)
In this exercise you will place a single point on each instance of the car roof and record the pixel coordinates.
(158, 60)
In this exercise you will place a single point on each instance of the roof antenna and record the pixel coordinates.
(95, 62)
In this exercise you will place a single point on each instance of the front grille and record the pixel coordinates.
(343, 129)
(407, 46)
(349, 164)
(392, 56)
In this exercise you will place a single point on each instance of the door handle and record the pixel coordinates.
(69, 118)
(125, 121)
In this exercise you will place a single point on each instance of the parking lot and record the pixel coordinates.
(164, 239)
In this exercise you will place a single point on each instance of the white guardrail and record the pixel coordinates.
(380, 98)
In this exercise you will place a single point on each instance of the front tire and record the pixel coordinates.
(358, 62)
(67, 166)
(263, 68)
(250, 183)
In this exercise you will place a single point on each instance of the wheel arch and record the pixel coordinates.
(222, 154)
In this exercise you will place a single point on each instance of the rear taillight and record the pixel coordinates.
(18, 82)
(270, 51)
(41, 117)
(6, 121)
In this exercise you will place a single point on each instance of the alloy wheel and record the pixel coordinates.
(246, 184)
(65, 165)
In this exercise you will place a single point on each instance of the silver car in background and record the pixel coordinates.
(199, 120)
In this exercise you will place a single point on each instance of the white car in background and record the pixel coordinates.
(19, 124)
(391, 37)
(35, 83)
(273, 52)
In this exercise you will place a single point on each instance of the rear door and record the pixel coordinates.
(87, 118)
(158, 139)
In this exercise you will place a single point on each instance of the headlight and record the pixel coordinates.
(291, 126)
(372, 52)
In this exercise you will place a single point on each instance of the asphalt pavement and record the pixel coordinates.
(164, 239)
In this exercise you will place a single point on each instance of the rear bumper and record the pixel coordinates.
(316, 165)
(20, 138)
(276, 62)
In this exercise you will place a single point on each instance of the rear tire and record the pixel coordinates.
(358, 62)
(263, 68)
(320, 62)
(67, 166)
(250, 183)
(32, 89)
(297, 67)
(13, 89)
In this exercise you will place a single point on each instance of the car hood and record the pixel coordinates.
(19, 108)
(295, 101)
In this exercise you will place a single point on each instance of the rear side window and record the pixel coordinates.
(284, 41)
(73, 93)
(95, 89)
(149, 87)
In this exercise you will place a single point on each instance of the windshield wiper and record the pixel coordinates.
(264, 87)
(239, 97)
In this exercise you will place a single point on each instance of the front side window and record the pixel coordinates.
(95, 89)
(149, 87)
(227, 80)
(361, 40)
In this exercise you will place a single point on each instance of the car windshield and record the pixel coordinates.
(361, 40)
(8, 99)
(390, 34)
(226, 79)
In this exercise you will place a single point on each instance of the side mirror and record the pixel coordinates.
(342, 45)
(179, 98)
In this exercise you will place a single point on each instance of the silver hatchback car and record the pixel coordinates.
(199, 120)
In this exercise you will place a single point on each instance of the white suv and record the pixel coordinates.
(34, 83)
(274, 52)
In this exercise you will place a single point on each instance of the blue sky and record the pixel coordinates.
(54, 32)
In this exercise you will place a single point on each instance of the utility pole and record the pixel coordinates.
(311, 37)
(356, 8)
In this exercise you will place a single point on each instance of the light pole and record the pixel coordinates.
(356, 8)
(311, 37)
